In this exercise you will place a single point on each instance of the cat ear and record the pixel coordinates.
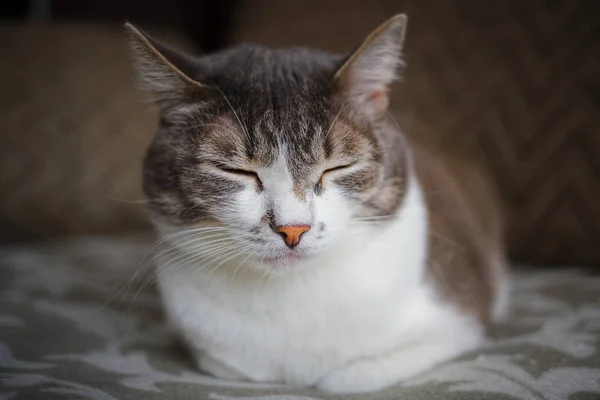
(164, 73)
(367, 74)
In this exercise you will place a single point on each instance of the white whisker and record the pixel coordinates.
(175, 263)
(344, 106)
(235, 114)
(218, 126)
(253, 253)
(232, 256)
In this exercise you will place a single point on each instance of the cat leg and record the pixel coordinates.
(379, 372)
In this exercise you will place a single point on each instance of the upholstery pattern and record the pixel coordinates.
(73, 131)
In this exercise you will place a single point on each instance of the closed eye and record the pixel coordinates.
(240, 172)
(338, 168)
(320, 185)
(244, 173)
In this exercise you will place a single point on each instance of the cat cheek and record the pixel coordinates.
(358, 183)
(248, 206)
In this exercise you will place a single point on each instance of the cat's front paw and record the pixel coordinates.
(352, 379)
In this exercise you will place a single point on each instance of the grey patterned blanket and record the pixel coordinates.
(80, 319)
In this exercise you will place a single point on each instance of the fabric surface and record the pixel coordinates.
(76, 322)
(513, 83)
(73, 131)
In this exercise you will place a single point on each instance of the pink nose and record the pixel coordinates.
(291, 234)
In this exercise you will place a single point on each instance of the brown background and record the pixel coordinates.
(512, 83)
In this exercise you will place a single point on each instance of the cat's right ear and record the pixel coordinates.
(164, 73)
(365, 78)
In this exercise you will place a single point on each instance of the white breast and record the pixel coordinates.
(365, 298)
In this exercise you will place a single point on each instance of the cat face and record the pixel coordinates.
(272, 155)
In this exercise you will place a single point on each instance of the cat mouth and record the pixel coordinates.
(285, 260)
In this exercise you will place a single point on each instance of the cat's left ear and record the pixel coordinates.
(367, 74)
(166, 74)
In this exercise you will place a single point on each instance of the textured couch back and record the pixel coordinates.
(73, 131)
(513, 84)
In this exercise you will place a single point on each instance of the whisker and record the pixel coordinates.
(375, 218)
(234, 254)
(339, 113)
(190, 240)
(140, 201)
(247, 134)
(264, 275)
(243, 262)
(175, 248)
(146, 264)
(220, 250)
(172, 264)
(219, 126)
(392, 118)
(215, 252)
(141, 269)
(186, 257)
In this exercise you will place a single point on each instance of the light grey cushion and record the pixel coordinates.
(69, 331)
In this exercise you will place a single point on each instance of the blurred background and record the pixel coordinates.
(512, 84)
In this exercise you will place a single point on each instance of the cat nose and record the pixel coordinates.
(291, 233)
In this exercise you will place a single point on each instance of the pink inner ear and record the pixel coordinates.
(378, 101)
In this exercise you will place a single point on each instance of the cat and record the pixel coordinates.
(308, 241)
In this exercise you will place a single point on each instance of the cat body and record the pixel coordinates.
(307, 241)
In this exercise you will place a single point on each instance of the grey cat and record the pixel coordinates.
(307, 239)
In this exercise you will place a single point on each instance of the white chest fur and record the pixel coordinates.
(365, 300)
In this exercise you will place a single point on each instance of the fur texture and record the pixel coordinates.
(256, 142)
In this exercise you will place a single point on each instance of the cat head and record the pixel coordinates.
(272, 155)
